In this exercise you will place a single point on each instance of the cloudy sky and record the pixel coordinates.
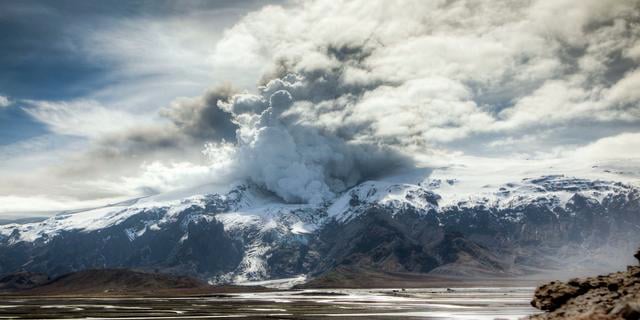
(101, 102)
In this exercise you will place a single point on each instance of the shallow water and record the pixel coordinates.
(456, 303)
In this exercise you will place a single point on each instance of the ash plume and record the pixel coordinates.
(291, 156)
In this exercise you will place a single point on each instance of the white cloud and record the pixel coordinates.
(84, 118)
(626, 91)
(163, 177)
(344, 80)
(4, 101)
(154, 60)
(515, 58)
(432, 109)
(622, 146)
(42, 205)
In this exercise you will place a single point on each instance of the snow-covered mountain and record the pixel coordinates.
(248, 234)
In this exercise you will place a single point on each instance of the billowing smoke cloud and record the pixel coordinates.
(291, 156)
(202, 118)
(273, 138)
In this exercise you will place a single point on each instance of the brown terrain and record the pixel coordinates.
(22, 281)
(111, 282)
(358, 278)
(611, 297)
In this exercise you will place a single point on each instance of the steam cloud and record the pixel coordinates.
(290, 156)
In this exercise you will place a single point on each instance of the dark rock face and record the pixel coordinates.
(407, 242)
(378, 240)
(614, 296)
(207, 250)
(580, 222)
(480, 239)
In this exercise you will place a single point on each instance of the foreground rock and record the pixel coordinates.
(611, 297)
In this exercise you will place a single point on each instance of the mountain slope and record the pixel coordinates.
(94, 281)
(22, 281)
(520, 228)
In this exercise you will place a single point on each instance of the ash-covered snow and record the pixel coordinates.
(263, 226)
(383, 193)
(551, 191)
(94, 219)
(251, 209)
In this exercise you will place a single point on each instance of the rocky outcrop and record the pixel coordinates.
(612, 297)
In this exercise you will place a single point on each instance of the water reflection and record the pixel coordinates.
(456, 303)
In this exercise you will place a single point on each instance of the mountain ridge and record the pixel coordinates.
(243, 235)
